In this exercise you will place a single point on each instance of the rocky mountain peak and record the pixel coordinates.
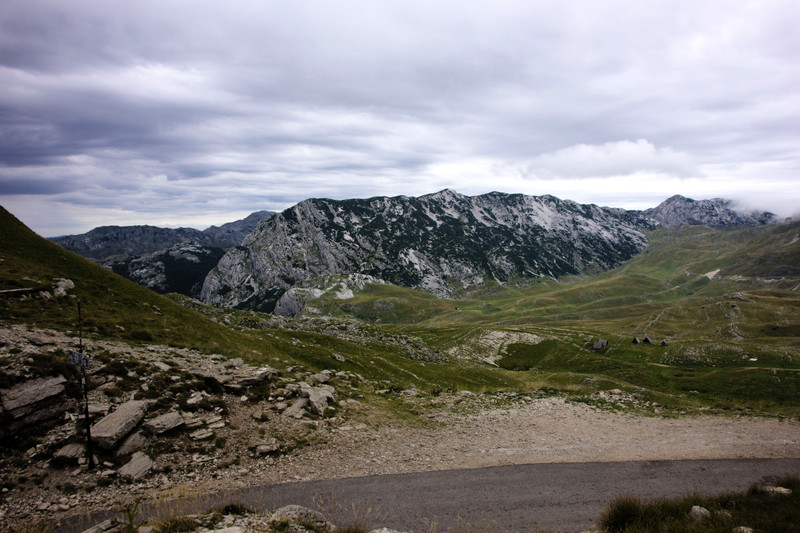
(716, 212)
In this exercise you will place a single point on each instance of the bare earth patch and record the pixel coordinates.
(547, 430)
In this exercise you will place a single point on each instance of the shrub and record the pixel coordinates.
(237, 509)
(621, 514)
(177, 524)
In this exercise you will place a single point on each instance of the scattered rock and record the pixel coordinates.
(102, 527)
(134, 442)
(273, 446)
(71, 451)
(111, 428)
(30, 402)
(298, 408)
(139, 465)
(318, 397)
(21, 399)
(163, 423)
(319, 378)
(265, 373)
(775, 490)
(195, 398)
(299, 514)
(191, 421)
(202, 434)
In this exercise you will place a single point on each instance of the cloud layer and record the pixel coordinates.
(191, 113)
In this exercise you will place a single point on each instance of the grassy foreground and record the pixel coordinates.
(762, 509)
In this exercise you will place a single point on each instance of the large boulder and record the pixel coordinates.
(21, 399)
(30, 402)
(318, 397)
(112, 427)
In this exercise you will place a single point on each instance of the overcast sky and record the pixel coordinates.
(193, 113)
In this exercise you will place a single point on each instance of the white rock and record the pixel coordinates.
(698, 514)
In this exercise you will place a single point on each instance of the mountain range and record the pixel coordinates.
(444, 243)
(162, 259)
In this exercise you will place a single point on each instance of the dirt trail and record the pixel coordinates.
(547, 430)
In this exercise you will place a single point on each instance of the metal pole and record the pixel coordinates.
(89, 450)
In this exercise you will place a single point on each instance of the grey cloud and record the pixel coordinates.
(302, 98)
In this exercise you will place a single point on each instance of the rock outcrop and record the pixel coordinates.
(30, 402)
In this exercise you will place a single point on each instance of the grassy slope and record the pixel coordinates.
(733, 341)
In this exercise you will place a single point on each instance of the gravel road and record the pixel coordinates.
(561, 497)
(522, 498)
(545, 462)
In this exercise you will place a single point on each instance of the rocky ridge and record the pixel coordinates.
(162, 259)
(443, 243)
(716, 213)
(106, 241)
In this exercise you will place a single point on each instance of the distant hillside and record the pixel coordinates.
(134, 241)
(716, 213)
(162, 259)
(444, 242)
(181, 268)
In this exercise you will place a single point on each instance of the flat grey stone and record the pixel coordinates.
(71, 451)
(21, 399)
(139, 465)
(134, 442)
(112, 427)
(163, 423)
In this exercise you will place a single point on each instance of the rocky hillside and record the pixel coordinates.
(162, 259)
(134, 241)
(181, 268)
(442, 243)
(716, 213)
